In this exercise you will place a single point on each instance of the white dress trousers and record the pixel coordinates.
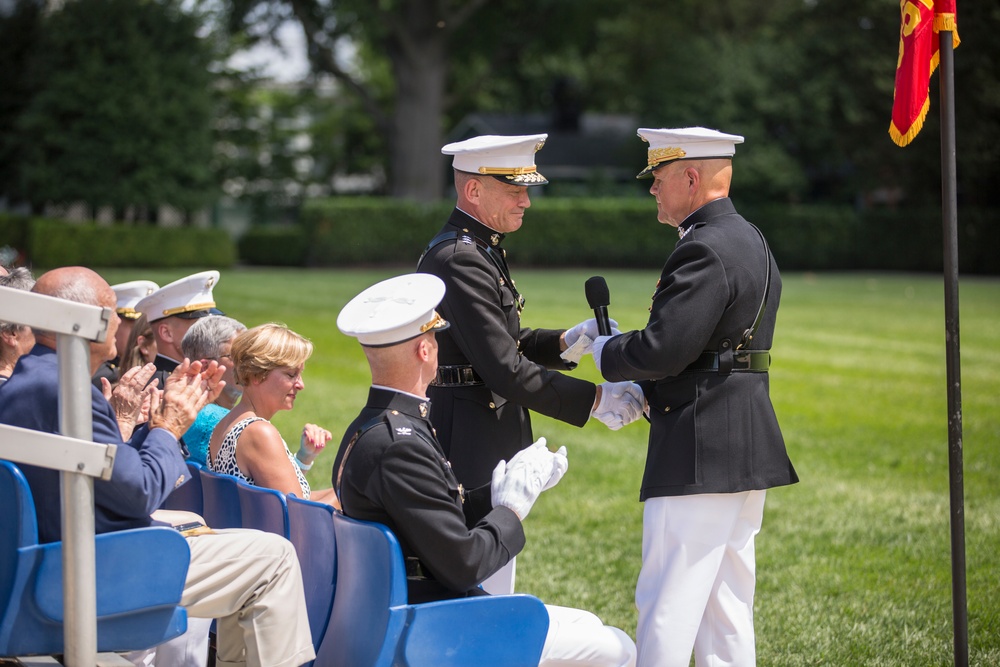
(696, 587)
(578, 637)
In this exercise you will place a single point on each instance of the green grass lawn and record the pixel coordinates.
(854, 561)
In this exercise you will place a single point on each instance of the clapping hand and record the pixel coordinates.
(518, 483)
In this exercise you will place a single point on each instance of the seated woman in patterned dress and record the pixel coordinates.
(268, 361)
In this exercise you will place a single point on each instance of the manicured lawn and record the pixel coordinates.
(854, 562)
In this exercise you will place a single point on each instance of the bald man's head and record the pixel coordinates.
(82, 285)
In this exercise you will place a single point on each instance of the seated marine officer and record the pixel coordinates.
(391, 469)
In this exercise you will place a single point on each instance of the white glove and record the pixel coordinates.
(621, 404)
(597, 349)
(587, 328)
(516, 485)
(559, 467)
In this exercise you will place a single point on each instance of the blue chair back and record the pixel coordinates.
(310, 527)
(263, 509)
(187, 496)
(221, 500)
(140, 579)
(372, 624)
(369, 608)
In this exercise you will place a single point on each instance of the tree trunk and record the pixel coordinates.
(417, 168)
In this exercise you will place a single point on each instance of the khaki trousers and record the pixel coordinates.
(251, 583)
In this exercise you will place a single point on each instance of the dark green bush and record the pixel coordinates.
(274, 246)
(624, 232)
(51, 243)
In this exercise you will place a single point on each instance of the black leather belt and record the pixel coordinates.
(416, 570)
(457, 376)
(756, 361)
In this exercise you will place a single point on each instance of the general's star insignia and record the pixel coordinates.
(466, 240)
(404, 430)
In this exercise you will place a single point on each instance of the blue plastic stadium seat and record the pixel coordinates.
(310, 527)
(373, 625)
(263, 509)
(140, 579)
(188, 495)
(220, 500)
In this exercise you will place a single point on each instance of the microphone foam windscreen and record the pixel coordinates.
(597, 292)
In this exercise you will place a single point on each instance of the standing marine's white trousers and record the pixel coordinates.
(696, 587)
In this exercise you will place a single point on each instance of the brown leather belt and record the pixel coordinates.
(743, 362)
(457, 376)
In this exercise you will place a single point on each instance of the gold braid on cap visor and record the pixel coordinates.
(658, 155)
(507, 171)
(436, 323)
(187, 309)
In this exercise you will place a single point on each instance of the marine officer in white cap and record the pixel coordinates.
(171, 310)
(127, 295)
(391, 469)
(714, 441)
(493, 368)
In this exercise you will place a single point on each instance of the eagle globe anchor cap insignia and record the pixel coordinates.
(510, 159)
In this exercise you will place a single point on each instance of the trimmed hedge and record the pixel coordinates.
(50, 243)
(347, 231)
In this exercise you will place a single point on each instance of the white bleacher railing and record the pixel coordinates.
(73, 453)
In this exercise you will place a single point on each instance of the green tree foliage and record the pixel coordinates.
(123, 109)
(18, 35)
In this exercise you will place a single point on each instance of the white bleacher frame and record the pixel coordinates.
(74, 453)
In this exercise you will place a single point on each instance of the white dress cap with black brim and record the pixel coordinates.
(129, 294)
(394, 311)
(188, 298)
(510, 159)
(685, 143)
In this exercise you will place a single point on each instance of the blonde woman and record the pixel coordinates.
(268, 361)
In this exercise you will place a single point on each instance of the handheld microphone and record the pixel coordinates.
(598, 298)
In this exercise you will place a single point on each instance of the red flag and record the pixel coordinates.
(921, 21)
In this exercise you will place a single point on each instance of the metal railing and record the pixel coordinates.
(73, 453)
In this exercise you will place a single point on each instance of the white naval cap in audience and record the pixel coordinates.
(510, 159)
(189, 298)
(129, 294)
(394, 310)
(685, 143)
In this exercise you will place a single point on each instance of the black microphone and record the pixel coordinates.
(598, 297)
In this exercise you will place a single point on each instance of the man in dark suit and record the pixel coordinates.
(248, 580)
(714, 441)
(391, 469)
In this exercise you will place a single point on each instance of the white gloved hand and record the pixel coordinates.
(597, 349)
(516, 485)
(559, 468)
(587, 328)
(580, 339)
(621, 404)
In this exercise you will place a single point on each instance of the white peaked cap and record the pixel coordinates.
(190, 298)
(129, 294)
(508, 158)
(685, 143)
(394, 310)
